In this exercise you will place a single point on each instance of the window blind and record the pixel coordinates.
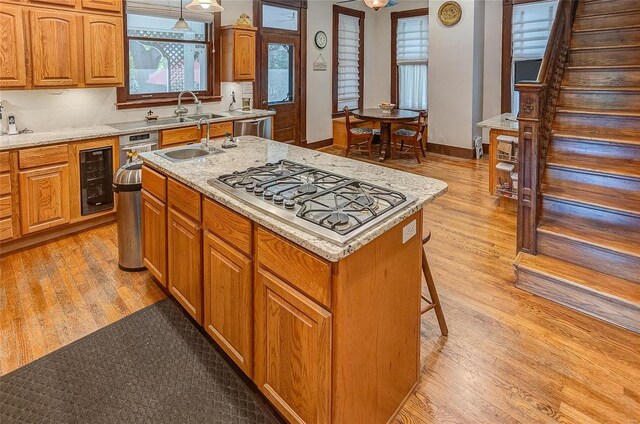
(412, 40)
(412, 57)
(531, 26)
(348, 61)
(166, 9)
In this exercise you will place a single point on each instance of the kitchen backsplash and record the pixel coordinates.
(45, 110)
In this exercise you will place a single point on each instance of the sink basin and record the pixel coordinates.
(205, 116)
(181, 154)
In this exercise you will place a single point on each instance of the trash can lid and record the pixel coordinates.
(128, 178)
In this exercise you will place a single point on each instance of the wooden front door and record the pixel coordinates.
(281, 79)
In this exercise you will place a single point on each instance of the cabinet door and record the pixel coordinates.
(228, 302)
(106, 5)
(154, 230)
(184, 253)
(292, 365)
(54, 44)
(244, 55)
(70, 3)
(103, 50)
(44, 198)
(13, 67)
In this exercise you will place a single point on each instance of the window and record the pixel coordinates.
(279, 17)
(348, 58)
(161, 61)
(525, 34)
(410, 58)
(280, 84)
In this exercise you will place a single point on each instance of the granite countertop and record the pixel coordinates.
(9, 142)
(255, 151)
(506, 122)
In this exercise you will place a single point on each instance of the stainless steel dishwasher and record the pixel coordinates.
(260, 127)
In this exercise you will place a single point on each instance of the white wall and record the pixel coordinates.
(492, 61)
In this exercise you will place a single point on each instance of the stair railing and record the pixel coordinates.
(537, 110)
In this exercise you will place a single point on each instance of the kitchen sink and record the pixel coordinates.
(181, 154)
(205, 116)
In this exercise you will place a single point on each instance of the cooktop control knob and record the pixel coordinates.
(268, 195)
(258, 191)
(277, 199)
(289, 204)
(250, 187)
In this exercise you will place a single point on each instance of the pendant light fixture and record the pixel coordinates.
(376, 4)
(181, 24)
(210, 6)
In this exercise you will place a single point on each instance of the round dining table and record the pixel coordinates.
(385, 119)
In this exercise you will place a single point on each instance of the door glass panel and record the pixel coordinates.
(280, 88)
(279, 17)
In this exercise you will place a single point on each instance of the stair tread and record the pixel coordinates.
(589, 279)
(609, 47)
(616, 238)
(601, 67)
(606, 14)
(632, 142)
(611, 28)
(607, 112)
(615, 200)
(600, 89)
(612, 166)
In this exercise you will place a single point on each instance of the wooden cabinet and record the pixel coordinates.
(228, 292)
(187, 135)
(154, 230)
(238, 53)
(292, 354)
(103, 5)
(54, 48)
(13, 68)
(68, 3)
(44, 198)
(103, 50)
(6, 200)
(184, 262)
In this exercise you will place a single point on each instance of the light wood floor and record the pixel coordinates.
(510, 357)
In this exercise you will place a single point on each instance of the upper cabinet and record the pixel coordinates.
(67, 46)
(13, 68)
(103, 47)
(106, 5)
(54, 48)
(238, 53)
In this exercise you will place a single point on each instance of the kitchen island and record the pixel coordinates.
(328, 331)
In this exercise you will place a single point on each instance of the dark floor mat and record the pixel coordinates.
(151, 367)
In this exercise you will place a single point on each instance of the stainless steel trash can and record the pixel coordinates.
(127, 184)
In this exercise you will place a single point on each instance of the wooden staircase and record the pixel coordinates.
(587, 241)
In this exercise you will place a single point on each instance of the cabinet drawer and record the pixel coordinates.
(154, 182)
(179, 136)
(41, 156)
(4, 161)
(301, 269)
(184, 199)
(5, 184)
(220, 129)
(230, 226)
(5, 207)
(6, 229)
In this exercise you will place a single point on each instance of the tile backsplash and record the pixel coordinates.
(45, 110)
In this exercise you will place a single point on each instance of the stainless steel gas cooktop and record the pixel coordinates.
(331, 206)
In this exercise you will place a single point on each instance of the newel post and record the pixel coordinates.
(528, 164)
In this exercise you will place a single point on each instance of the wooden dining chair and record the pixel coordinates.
(432, 301)
(358, 136)
(413, 137)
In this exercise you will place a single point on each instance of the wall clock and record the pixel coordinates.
(450, 13)
(321, 40)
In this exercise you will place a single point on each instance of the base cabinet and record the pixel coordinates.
(154, 230)
(184, 280)
(293, 341)
(44, 198)
(228, 300)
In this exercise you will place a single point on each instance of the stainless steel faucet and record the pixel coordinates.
(205, 141)
(181, 110)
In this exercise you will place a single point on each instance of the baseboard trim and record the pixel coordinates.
(320, 144)
(444, 149)
(46, 236)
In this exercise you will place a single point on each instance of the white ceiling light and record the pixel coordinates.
(374, 4)
(181, 24)
(210, 6)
